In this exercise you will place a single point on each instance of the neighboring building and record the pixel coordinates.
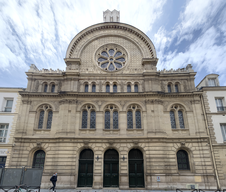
(9, 106)
(111, 120)
(214, 97)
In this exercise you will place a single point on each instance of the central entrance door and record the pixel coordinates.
(85, 174)
(136, 169)
(111, 168)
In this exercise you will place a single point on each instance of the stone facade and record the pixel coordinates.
(73, 93)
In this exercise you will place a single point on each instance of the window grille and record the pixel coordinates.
(107, 88)
(93, 119)
(172, 119)
(181, 119)
(53, 88)
(3, 132)
(9, 105)
(169, 88)
(128, 88)
(107, 119)
(115, 120)
(176, 88)
(41, 119)
(182, 160)
(136, 88)
(86, 87)
(86, 154)
(115, 88)
(129, 120)
(135, 154)
(84, 119)
(39, 159)
(111, 154)
(93, 88)
(49, 120)
(138, 119)
(223, 130)
(45, 87)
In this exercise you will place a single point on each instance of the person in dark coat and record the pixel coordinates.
(53, 179)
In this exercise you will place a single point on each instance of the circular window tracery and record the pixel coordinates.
(111, 58)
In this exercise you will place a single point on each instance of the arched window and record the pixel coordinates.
(130, 120)
(86, 87)
(172, 120)
(181, 119)
(129, 88)
(39, 159)
(169, 88)
(41, 119)
(107, 119)
(93, 88)
(135, 88)
(176, 88)
(138, 120)
(115, 120)
(45, 116)
(84, 119)
(88, 112)
(111, 117)
(134, 117)
(182, 160)
(93, 119)
(45, 87)
(115, 88)
(53, 88)
(107, 88)
(49, 120)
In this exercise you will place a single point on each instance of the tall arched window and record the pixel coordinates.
(107, 88)
(39, 159)
(84, 119)
(181, 119)
(111, 117)
(115, 88)
(93, 119)
(138, 119)
(177, 114)
(115, 120)
(107, 119)
(135, 88)
(88, 112)
(53, 88)
(134, 117)
(41, 119)
(172, 120)
(183, 160)
(128, 88)
(45, 87)
(93, 88)
(45, 116)
(169, 88)
(176, 88)
(129, 119)
(49, 120)
(86, 87)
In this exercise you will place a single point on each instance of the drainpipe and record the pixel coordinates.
(211, 146)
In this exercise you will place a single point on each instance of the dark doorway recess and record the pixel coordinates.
(136, 169)
(85, 173)
(111, 168)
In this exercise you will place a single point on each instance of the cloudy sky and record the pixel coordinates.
(39, 31)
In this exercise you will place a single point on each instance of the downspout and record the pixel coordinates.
(211, 147)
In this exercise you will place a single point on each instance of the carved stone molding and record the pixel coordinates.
(195, 101)
(154, 101)
(67, 101)
(26, 102)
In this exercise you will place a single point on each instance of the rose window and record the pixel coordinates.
(111, 59)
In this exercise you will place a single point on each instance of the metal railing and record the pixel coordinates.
(222, 108)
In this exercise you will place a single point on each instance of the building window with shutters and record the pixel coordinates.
(88, 117)
(3, 132)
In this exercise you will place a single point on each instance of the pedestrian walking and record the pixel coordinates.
(53, 179)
